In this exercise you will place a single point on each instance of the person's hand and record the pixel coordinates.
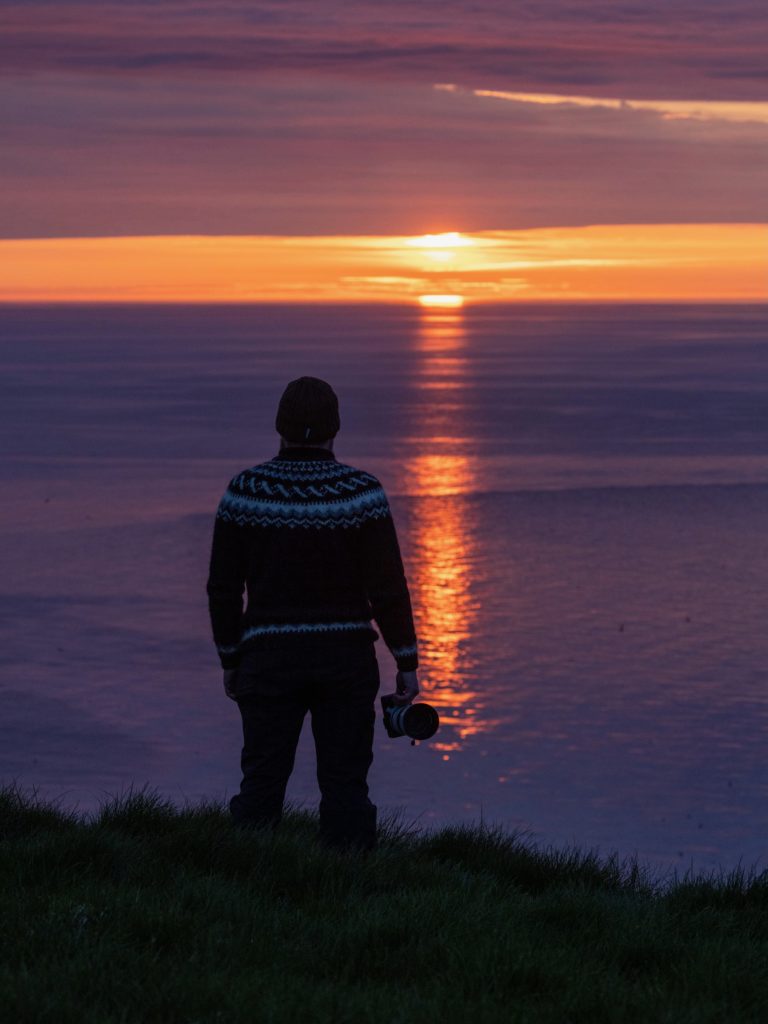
(229, 680)
(407, 687)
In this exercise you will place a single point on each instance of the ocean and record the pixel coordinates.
(581, 493)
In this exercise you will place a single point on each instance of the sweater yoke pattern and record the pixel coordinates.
(300, 495)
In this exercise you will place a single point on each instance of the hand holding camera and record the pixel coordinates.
(407, 685)
(402, 717)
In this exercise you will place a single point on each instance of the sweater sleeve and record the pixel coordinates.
(226, 583)
(381, 567)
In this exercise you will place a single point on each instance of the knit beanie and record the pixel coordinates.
(308, 411)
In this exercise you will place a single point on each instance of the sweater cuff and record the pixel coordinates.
(407, 658)
(229, 657)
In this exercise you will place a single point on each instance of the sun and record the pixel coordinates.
(441, 301)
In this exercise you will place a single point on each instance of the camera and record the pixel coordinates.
(418, 721)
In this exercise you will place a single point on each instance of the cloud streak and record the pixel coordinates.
(670, 110)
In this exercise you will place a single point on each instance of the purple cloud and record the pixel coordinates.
(307, 118)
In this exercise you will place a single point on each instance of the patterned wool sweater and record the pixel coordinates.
(314, 542)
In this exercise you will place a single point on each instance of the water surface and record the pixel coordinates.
(582, 498)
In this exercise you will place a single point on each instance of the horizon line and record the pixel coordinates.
(410, 303)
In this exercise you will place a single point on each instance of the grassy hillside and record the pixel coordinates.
(148, 913)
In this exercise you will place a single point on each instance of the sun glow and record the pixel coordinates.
(615, 262)
(446, 240)
(441, 301)
(440, 248)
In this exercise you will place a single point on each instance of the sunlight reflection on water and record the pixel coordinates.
(441, 538)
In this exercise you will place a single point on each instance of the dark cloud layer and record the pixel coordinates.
(660, 48)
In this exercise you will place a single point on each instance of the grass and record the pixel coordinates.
(145, 912)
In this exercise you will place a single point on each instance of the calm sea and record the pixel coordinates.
(582, 498)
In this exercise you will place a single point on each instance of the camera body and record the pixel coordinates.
(418, 721)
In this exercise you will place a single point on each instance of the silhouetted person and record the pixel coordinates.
(314, 542)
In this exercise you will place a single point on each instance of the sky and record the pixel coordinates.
(306, 119)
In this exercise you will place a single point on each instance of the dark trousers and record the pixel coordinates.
(275, 690)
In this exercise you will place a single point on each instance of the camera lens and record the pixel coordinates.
(420, 721)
